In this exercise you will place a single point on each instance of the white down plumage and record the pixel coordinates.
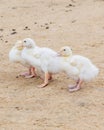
(15, 57)
(86, 69)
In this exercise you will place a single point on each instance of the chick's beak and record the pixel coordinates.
(20, 47)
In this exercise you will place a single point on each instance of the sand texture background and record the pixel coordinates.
(52, 23)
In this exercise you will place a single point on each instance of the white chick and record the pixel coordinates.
(35, 56)
(15, 57)
(87, 70)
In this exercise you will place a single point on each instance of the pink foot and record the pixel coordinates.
(42, 85)
(24, 74)
(72, 86)
(74, 89)
(30, 76)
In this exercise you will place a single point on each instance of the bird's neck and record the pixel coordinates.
(66, 58)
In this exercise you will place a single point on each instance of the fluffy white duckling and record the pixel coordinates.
(53, 64)
(35, 56)
(87, 70)
(15, 56)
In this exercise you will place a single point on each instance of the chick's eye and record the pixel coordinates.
(25, 41)
(64, 50)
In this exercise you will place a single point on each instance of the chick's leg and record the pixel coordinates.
(31, 73)
(28, 74)
(77, 87)
(74, 86)
(50, 76)
(45, 80)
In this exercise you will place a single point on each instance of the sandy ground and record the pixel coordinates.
(52, 23)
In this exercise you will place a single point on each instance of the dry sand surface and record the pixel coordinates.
(52, 23)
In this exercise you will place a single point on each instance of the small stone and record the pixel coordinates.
(70, 5)
(1, 29)
(17, 76)
(17, 108)
(46, 23)
(26, 27)
(73, 21)
(13, 33)
(13, 7)
(62, 88)
(13, 29)
(42, 26)
(6, 41)
(51, 23)
(47, 27)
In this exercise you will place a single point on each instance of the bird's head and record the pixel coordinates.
(19, 45)
(65, 51)
(29, 43)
